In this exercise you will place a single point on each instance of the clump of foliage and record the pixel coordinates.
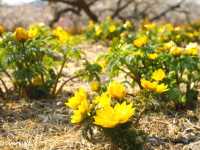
(168, 70)
(31, 58)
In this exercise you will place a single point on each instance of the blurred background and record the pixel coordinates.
(76, 13)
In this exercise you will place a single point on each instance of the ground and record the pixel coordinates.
(44, 124)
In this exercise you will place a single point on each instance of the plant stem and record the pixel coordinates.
(136, 78)
(2, 94)
(63, 84)
(58, 76)
(4, 85)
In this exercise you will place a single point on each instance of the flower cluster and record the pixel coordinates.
(107, 29)
(107, 110)
(141, 41)
(155, 86)
(80, 105)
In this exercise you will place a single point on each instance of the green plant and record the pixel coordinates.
(148, 54)
(30, 55)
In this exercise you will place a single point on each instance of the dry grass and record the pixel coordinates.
(42, 125)
(39, 126)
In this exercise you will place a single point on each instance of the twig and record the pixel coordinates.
(65, 82)
(140, 116)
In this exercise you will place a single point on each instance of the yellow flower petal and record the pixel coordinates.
(116, 90)
(152, 56)
(21, 34)
(76, 100)
(158, 75)
(141, 41)
(103, 100)
(94, 85)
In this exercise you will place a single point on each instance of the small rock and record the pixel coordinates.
(59, 103)
(43, 118)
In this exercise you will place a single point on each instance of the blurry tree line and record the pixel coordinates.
(75, 13)
(118, 9)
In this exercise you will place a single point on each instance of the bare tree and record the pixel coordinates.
(74, 6)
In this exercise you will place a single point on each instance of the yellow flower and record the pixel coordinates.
(150, 26)
(191, 49)
(61, 34)
(98, 30)
(105, 117)
(80, 105)
(76, 100)
(57, 31)
(166, 28)
(91, 25)
(167, 46)
(103, 100)
(2, 29)
(116, 90)
(33, 31)
(176, 51)
(178, 37)
(21, 34)
(153, 86)
(138, 53)
(123, 112)
(169, 27)
(160, 88)
(148, 85)
(127, 25)
(77, 117)
(190, 35)
(109, 117)
(112, 28)
(158, 75)
(94, 85)
(141, 41)
(196, 33)
(80, 113)
(152, 56)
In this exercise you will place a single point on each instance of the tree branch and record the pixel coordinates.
(82, 5)
(121, 8)
(171, 8)
(93, 2)
(74, 2)
(59, 14)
